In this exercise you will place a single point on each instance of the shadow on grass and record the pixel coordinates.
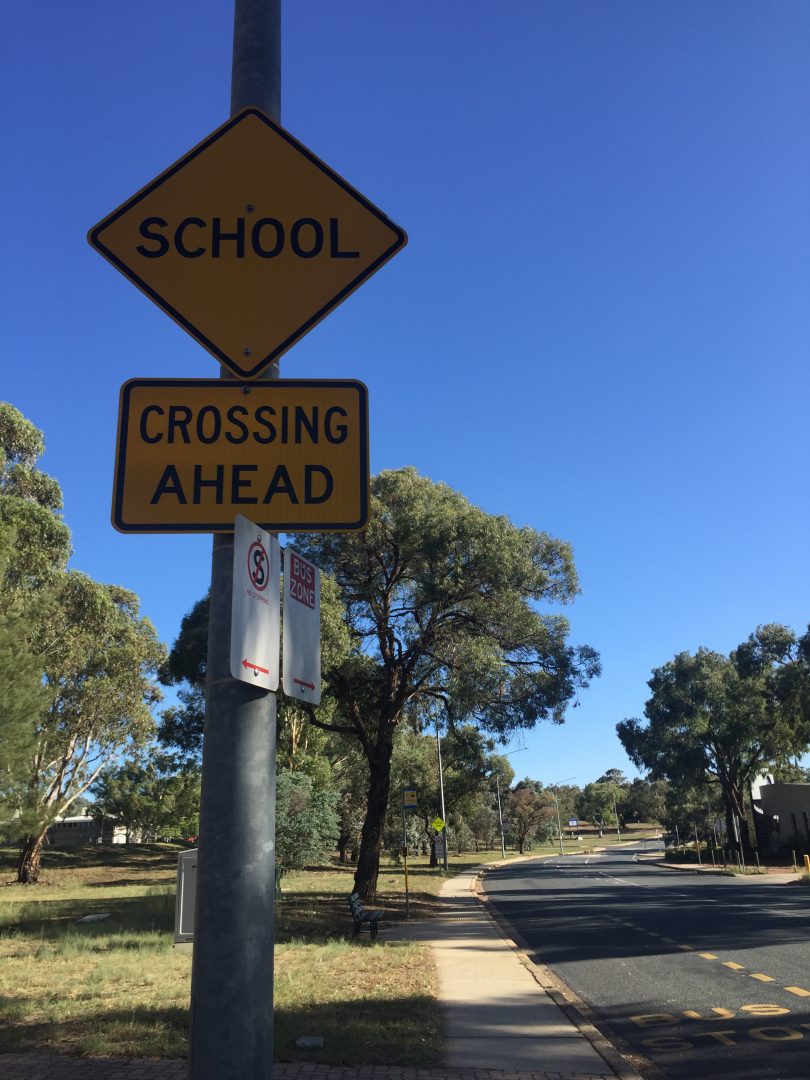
(129, 882)
(362, 1031)
(50, 920)
(135, 1032)
(131, 856)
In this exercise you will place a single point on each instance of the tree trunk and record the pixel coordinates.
(434, 862)
(735, 805)
(371, 837)
(30, 859)
(343, 846)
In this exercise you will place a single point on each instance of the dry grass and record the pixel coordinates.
(116, 987)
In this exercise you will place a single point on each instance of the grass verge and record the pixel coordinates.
(115, 987)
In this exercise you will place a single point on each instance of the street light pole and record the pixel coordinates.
(557, 804)
(498, 789)
(559, 823)
(500, 816)
(441, 792)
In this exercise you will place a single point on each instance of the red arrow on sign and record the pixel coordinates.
(256, 669)
(300, 682)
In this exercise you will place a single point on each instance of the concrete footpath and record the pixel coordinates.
(498, 1021)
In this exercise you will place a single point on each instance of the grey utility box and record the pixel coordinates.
(186, 897)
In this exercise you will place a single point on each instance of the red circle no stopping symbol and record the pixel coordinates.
(258, 566)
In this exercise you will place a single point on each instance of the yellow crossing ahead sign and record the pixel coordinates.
(290, 454)
(247, 241)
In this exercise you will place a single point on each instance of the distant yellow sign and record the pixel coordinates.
(247, 241)
(290, 454)
(437, 824)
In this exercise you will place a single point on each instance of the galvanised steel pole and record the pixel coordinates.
(559, 821)
(441, 791)
(231, 1034)
(500, 815)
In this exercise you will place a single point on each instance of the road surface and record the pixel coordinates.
(707, 976)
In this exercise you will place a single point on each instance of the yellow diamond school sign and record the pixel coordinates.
(247, 241)
(290, 454)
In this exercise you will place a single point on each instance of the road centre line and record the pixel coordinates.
(621, 881)
(799, 991)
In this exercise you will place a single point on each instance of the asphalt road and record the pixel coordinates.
(707, 976)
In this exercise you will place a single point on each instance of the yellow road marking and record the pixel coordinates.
(707, 955)
(762, 978)
(733, 966)
(798, 991)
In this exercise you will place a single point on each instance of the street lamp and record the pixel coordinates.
(553, 788)
(441, 792)
(498, 789)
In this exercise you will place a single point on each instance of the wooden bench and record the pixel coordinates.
(360, 916)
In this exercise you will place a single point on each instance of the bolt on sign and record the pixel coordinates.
(255, 605)
(194, 453)
(247, 241)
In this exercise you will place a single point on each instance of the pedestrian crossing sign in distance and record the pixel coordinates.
(247, 241)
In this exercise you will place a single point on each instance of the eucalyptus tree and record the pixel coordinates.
(531, 813)
(92, 656)
(723, 719)
(441, 607)
(100, 664)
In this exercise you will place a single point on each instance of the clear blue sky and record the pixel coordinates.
(599, 327)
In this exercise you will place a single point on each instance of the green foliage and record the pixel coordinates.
(441, 604)
(181, 725)
(599, 801)
(530, 813)
(150, 799)
(23, 695)
(306, 821)
(567, 796)
(100, 660)
(29, 505)
(725, 718)
(644, 800)
(688, 807)
(87, 644)
(790, 772)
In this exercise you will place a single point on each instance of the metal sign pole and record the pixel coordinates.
(232, 977)
(500, 815)
(441, 792)
(405, 860)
